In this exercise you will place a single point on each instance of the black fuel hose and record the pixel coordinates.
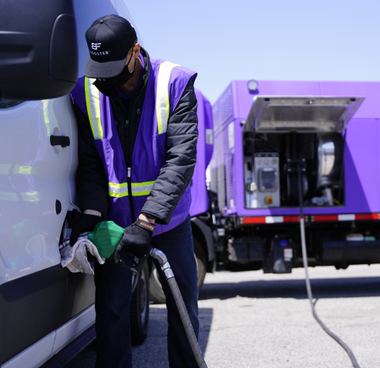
(308, 286)
(193, 341)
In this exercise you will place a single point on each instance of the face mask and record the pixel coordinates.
(123, 77)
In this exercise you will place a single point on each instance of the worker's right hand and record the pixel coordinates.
(85, 223)
(136, 240)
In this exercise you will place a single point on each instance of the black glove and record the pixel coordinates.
(84, 223)
(136, 240)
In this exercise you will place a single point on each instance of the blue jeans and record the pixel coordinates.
(113, 294)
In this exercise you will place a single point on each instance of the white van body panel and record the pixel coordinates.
(34, 356)
(37, 185)
(34, 174)
(35, 178)
(44, 349)
(72, 329)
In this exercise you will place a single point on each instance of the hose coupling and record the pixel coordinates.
(159, 256)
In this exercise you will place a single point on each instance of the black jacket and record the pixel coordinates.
(175, 175)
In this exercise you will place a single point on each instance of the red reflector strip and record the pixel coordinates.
(269, 219)
(346, 217)
(317, 218)
(292, 218)
(253, 220)
(367, 216)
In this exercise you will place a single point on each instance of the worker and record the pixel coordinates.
(137, 126)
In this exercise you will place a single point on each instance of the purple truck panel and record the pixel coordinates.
(200, 201)
(361, 159)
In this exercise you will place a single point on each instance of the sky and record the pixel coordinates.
(262, 40)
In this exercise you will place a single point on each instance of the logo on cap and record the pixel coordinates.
(95, 46)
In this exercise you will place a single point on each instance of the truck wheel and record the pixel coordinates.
(139, 308)
(156, 294)
(155, 289)
(201, 258)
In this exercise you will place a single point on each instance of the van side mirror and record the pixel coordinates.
(38, 49)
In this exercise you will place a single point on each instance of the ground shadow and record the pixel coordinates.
(321, 288)
(153, 352)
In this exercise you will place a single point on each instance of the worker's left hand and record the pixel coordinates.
(136, 240)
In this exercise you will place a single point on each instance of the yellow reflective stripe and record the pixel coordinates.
(23, 169)
(93, 107)
(138, 189)
(51, 121)
(162, 98)
(45, 104)
(30, 196)
(5, 169)
(117, 190)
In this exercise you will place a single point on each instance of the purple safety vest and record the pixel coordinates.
(165, 86)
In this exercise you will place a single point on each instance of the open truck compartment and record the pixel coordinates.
(283, 141)
(284, 133)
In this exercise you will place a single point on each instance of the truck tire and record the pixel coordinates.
(155, 289)
(201, 258)
(139, 308)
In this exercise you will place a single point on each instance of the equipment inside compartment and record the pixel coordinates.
(271, 162)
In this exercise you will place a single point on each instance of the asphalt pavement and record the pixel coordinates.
(251, 319)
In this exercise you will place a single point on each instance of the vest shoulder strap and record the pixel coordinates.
(93, 107)
(162, 95)
(162, 101)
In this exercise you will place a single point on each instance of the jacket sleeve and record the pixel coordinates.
(176, 174)
(91, 179)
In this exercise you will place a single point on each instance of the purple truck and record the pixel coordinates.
(280, 149)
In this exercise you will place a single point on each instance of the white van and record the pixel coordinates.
(46, 313)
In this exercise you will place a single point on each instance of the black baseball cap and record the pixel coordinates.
(108, 39)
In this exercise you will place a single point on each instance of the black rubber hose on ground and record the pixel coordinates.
(193, 341)
(307, 280)
(186, 323)
(169, 275)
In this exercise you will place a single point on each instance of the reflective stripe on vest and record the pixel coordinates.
(162, 101)
(162, 113)
(138, 189)
(93, 107)
(162, 95)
